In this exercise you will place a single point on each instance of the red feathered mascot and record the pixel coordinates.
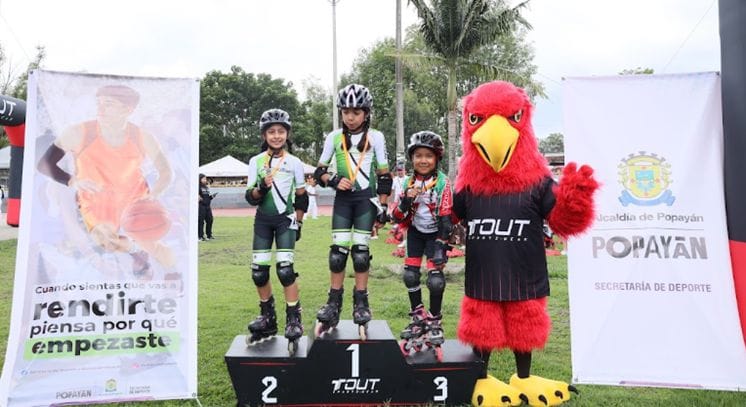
(504, 192)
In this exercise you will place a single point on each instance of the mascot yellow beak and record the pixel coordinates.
(495, 140)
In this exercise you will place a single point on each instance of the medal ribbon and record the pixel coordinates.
(269, 160)
(360, 161)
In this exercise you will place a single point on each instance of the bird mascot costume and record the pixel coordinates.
(504, 193)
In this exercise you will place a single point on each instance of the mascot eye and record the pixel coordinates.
(517, 116)
(474, 119)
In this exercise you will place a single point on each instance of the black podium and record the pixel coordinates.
(338, 369)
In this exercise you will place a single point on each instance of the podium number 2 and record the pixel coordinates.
(270, 383)
(355, 349)
(441, 383)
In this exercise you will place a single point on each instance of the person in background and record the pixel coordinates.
(313, 209)
(205, 211)
(400, 173)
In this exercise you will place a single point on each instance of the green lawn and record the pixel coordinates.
(228, 300)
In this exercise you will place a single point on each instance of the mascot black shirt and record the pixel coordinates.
(505, 257)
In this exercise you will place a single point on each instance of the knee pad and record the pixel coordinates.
(286, 273)
(436, 282)
(411, 276)
(361, 258)
(260, 274)
(337, 258)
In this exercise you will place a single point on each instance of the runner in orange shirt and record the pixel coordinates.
(109, 153)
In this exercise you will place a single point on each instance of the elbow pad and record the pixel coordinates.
(301, 202)
(48, 165)
(384, 184)
(445, 226)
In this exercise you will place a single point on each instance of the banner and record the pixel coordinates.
(652, 300)
(105, 291)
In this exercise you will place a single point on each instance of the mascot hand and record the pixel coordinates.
(579, 182)
(573, 211)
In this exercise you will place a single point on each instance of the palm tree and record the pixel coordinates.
(454, 30)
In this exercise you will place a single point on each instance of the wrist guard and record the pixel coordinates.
(384, 183)
(301, 202)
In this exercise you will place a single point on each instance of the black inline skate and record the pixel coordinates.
(361, 312)
(265, 325)
(434, 338)
(413, 336)
(293, 327)
(328, 316)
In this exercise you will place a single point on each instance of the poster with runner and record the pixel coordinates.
(104, 301)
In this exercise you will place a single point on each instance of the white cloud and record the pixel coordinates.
(292, 39)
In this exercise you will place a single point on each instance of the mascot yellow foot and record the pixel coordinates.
(490, 392)
(542, 392)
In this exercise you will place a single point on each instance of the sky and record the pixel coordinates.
(292, 39)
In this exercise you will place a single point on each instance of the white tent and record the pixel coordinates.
(232, 167)
(5, 158)
(225, 167)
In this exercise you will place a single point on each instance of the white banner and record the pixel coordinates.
(651, 292)
(105, 292)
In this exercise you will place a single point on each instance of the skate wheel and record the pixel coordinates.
(317, 329)
(363, 331)
(438, 353)
(404, 347)
(292, 347)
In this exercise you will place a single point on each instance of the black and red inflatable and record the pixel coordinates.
(13, 120)
(733, 67)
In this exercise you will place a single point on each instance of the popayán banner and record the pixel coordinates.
(652, 299)
(105, 291)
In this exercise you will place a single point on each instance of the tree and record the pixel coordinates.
(15, 86)
(375, 68)
(230, 107)
(20, 90)
(453, 31)
(553, 143)
(637, 71)
(309, 129)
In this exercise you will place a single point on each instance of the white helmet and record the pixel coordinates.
(354, 96)
(274, 116)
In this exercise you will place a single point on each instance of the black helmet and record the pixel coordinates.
(354, 96)
(426, 139)
(274, 116)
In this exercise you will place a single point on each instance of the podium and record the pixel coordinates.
(339, 369)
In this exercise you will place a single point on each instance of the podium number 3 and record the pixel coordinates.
(270, 383)
(355, 349)
(441, 383)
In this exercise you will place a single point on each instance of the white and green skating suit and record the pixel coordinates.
(333, 156)
(286, 180)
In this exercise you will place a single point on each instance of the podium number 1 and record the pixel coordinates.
(270, 383)
(355, 349)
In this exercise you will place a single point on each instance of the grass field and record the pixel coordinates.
(228, 300)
